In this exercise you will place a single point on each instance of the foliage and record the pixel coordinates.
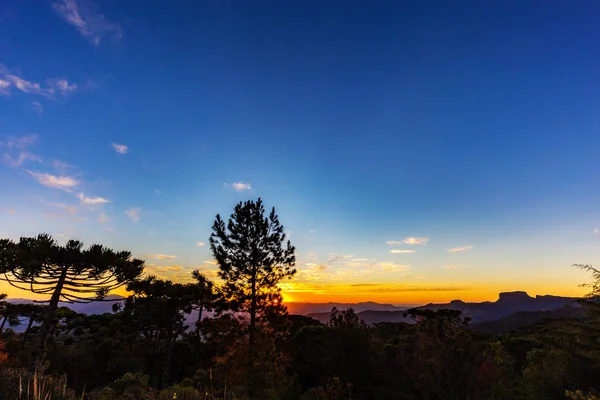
(68, 273)
(155, 347)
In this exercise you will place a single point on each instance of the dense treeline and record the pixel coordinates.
(235, 340)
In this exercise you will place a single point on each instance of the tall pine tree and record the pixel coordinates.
(253, 257)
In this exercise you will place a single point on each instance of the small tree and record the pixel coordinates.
(67, 273)
(253, 258)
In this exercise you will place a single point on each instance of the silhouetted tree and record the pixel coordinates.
(253, 258)
(204, 297)
(166, 302)
(67, 273)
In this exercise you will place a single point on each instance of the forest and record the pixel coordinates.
(243, 344)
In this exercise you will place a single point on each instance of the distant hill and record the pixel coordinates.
(311, 308)
(507, 304)
(524, 319)
(96, 307)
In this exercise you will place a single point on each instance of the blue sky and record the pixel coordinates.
(475, 127)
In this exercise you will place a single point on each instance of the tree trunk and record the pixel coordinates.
(198, 322)
(3, 322)
(251, 339)
(166, 369)
(48, 322)
(26, 333)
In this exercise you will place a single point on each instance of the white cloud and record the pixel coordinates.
(16, 150)
(60, 166)
(21, 159)
(416, 240)
(120, 148)
(211, 262)
(69, 208)
(162, 256)
(9, 79)
(53, 181)
(200, 244)
(91, 200)
(85, 17)
(21, 142)
(38, 107)
(409, 240)
(103, 218)
(134, 214)
(239, 186)
(336, 257)
(62, 86)
(459, 249)
(455, 266)
(29, 87)
(391, 267)
(596, 230)
(398, 251)
(4, 87)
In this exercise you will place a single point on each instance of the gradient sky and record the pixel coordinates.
(414, 152)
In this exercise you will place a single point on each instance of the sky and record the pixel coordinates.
(414, 153)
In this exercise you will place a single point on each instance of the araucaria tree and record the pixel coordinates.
(66, 273)
(253, 257)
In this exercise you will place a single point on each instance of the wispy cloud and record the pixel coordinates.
(459, 249)
(455, 266)
(90, 201)
(62, 86)
(120, 148)
(20, 159)
(16, 150)
(20, 142)
(4, 87)
(134, 214)
(337, 257)
(162, 257)
(9, 79)
(58, 182)
(398, 251)
(85, 17)
(596, 230)
(60, 166)
(38, 107)
(391, 267)
(103, 218)
(239, 186)
(409, 240)
(211, 262)
(200, 244)
(67, 207)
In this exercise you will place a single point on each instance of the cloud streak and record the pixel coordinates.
(455, 266)
(239, 186)
(9, 80)
(162, 257)
(459, 249)
(38, 107)
(57, 182)
(398, 251)
(134, 214)
(120, 148)
(91, 201)
(409, 240)
(89, 22)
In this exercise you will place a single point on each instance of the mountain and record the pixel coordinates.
(95, 307)
(311, 308)
(507, 304)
